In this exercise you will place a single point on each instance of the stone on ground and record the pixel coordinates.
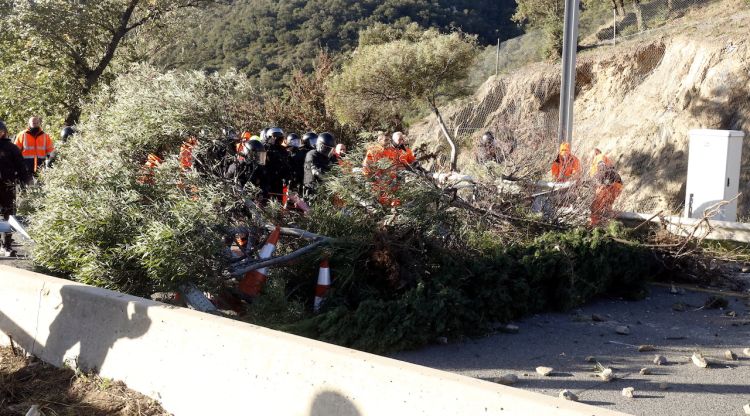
(544, 371)
(699, 360)
(622, 330)
(568, 395)
(507, 380)
(628, 392)
(660, 360)
(646, 348)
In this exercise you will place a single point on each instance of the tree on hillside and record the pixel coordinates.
(270, 39)
(385, 79)
(71, 45)
(547, 15)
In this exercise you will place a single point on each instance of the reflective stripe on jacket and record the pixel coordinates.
(40, 146)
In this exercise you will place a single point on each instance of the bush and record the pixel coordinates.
(401, 280)
(93, 218)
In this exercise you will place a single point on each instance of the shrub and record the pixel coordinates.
(94, 220)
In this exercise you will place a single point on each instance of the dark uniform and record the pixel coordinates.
(277, 172)
(316, 164)
(12, 169)
(297, 161)
(244, 171)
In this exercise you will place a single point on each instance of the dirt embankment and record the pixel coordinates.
(636, 101)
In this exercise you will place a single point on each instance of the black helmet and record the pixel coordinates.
(254, 150)
(487, 138)
(66, 132)
(292, 140)
(274, 136)
(325, 143)
(308, 139)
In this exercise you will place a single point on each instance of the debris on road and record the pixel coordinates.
(622, 330)
(646, 348)
(507, 380)
(628, 392)
(645, 371)
(747, 409)
(699, 360)
(568, 395)
(746, 351)
(607, 374)
(729, 355)
(660, 360)
(544, 371)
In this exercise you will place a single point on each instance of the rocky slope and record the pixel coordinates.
(636, 101)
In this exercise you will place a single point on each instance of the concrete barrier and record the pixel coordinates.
(200, 364)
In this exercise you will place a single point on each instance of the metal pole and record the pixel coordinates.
(614, 26)
(568, 77)
(497, 58)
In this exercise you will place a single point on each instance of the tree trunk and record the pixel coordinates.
(448, 137)
(74, 114)
(639, 15)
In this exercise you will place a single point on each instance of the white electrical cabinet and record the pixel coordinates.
(713, 175)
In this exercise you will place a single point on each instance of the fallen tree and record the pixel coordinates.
(442, 262)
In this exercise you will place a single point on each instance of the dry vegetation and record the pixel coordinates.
(25, 382)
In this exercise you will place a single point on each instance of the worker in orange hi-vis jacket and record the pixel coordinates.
(608, 187)
(36, 146)
(186, 152)
(566, 166)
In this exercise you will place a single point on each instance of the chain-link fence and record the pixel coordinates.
(647, 73)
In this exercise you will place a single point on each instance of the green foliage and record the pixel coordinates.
(546, 15)
(403, 277)
(384, 79)
(95, 220)
(269, 39)
(58, 52)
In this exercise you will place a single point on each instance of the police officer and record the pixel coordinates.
(318, 162)
(278, 171)
(250, 167)
(12, 169)
(308, 140)
(297, 155)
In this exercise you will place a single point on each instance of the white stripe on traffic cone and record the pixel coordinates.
(253, 281)
(324, 282)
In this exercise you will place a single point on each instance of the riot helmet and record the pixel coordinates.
(254, 151)
(325, 143)
(308, 140)
(274, 136)
(293, 141)
(66, 132)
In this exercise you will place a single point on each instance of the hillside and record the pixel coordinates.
(636, 101)
(268, 39)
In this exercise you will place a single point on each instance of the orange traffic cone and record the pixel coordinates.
(253, 281)
(324, 282)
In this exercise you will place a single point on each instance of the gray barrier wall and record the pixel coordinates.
(200, 364)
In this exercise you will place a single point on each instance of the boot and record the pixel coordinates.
(7, 247)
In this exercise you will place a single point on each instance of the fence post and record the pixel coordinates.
(497, 58)
(614, 26)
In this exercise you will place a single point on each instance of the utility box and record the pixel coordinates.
(713, 174)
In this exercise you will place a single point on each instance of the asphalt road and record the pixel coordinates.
(565, 341)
